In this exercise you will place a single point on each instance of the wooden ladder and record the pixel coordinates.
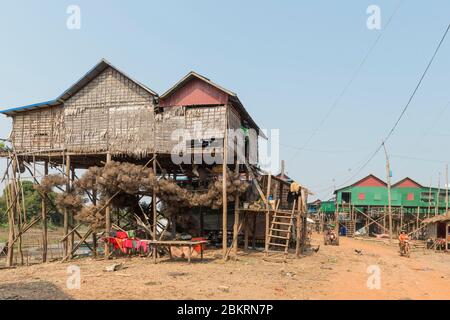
(350, 226)
(280, 233)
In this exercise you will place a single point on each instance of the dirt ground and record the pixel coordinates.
(334, 272)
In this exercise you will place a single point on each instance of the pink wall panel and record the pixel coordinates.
(195, 92)
(370, 182)
(408, 183)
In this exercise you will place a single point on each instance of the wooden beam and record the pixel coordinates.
(75, 248)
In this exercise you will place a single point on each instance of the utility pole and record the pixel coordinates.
(388, 178)
(446, 188)
(436, 210)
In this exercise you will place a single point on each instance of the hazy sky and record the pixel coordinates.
(288, 61)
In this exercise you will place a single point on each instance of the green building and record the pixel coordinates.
(365, 203)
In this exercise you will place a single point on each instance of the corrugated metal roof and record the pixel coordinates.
(50, 103)
(77, 86)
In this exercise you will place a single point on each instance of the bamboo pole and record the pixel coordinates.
(65, 212)
(71, 213)
(446, 188)
(254, 232)
(429, 199)
(10, 211)
(224, 190)
(303, 217)
(246, 233)
(436, 209)
(94, 235)
(269, 181)
(298, 225)
(16, 210)
(236, 215)
(154, 212)
(44, 221)
(388, 178)
(401, 218)
(417, 218)
(107, 216)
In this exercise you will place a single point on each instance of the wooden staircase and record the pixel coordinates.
(279, 234)
(350, 226)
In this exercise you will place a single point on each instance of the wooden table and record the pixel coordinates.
(178, 243)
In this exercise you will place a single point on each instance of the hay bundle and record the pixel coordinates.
(50, 181)
(127, 181)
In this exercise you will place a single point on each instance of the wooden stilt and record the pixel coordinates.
(154, 213)
(16, 211)
(236, 217)
(44, 220)
(401, 218)
(436, 209)
(254, 232)
(11, 209)
(202, 222)
(298, 226)
(303, 216)
(107, 216)
(94, 235)
(224, 192)
(246, 233)
(269, 181)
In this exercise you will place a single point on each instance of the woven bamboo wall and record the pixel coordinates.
(203, 122)
(110, 113)
(38, 130)
(113, 113)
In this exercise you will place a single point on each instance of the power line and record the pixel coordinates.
(404, 108)
(418, 84)
(349, 83)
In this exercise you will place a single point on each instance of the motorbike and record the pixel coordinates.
(405, 249)
(331, 238)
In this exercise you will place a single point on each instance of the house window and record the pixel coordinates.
(361, 196)
(346, 197)
(410, 197)
(427, 196)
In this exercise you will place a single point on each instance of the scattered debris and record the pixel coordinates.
(326, 268)
(177, 274)
(114, 267)
(153, 283)
(224, 288)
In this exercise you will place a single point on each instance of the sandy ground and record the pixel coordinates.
(335, 272)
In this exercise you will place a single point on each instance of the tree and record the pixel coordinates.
(32, 200)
